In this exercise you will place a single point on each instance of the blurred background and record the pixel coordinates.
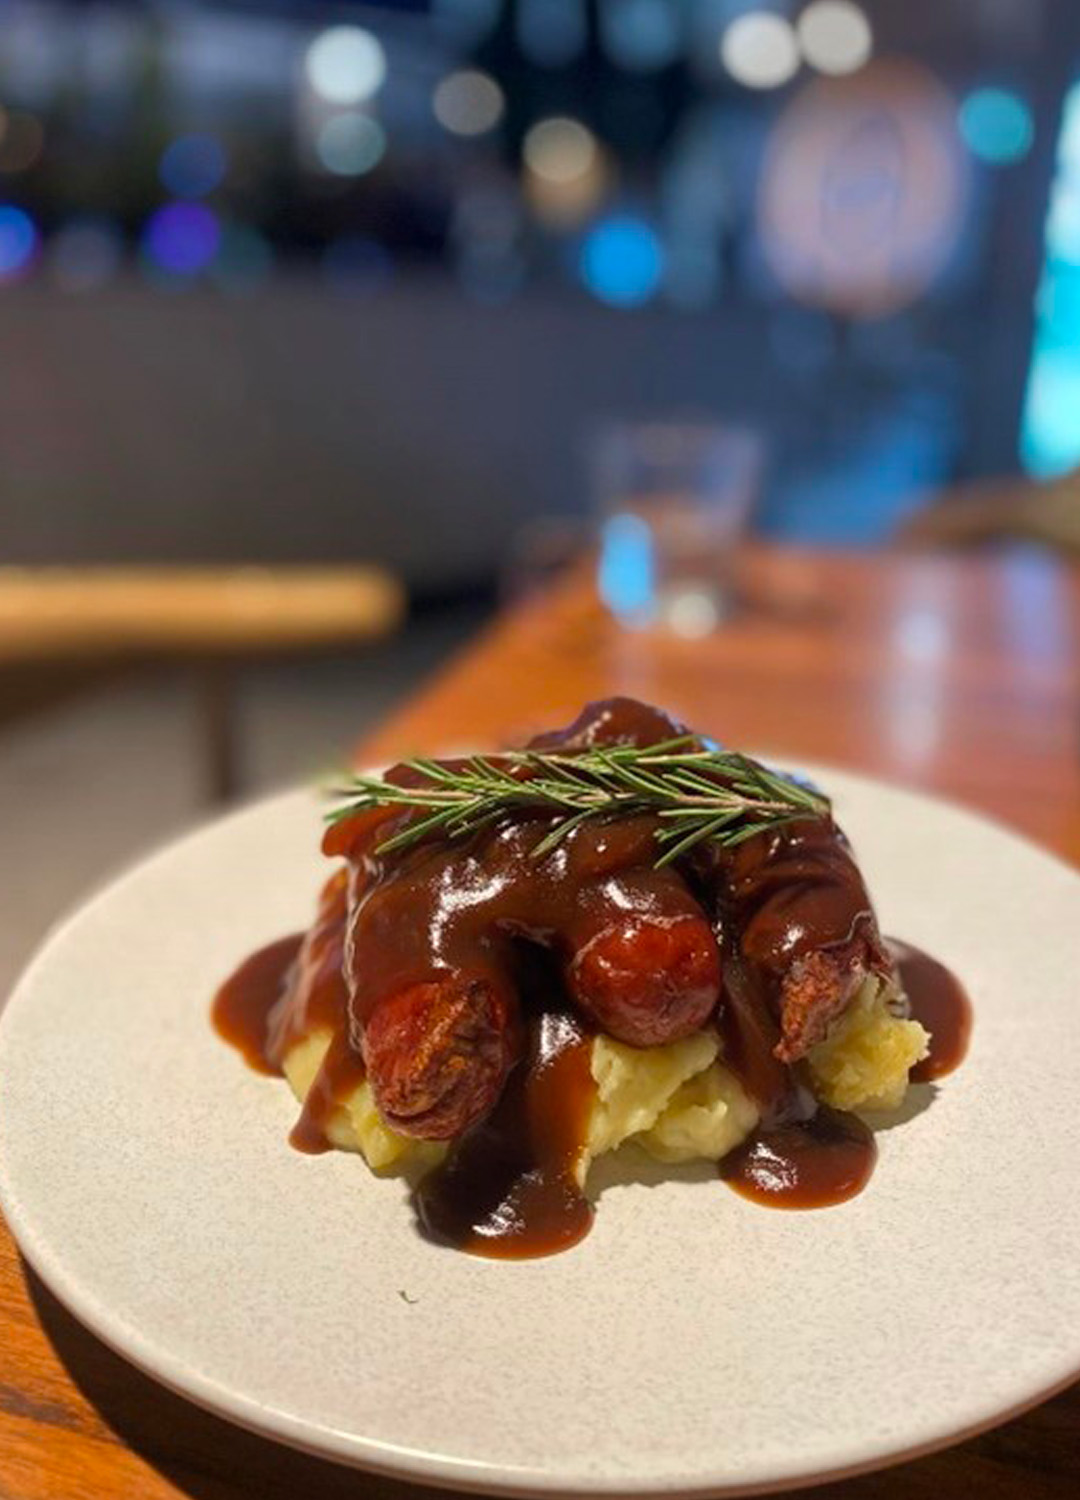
(290, 282)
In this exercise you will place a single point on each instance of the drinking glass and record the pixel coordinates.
(673, 501)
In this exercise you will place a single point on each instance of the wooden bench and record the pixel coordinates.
(61, 628)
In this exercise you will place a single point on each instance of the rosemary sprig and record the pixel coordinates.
(699, 795)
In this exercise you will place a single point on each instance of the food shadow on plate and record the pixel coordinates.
(917, 1100)
(631, 1165)
(202, 1455)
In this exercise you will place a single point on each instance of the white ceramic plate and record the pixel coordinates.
(694, 1342)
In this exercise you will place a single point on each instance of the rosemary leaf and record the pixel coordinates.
(697, 795)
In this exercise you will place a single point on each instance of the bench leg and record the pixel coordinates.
(216, 707)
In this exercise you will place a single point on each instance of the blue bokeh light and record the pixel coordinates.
(622, 261)
(192, 166)
(18, 242)
(997, 125)
(627, 571)
(181, 239)
(641, 35)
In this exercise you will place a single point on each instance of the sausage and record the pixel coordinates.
(804, 927)
(433, 1004)
(612, 721)
(438, 1053)
(643, 962)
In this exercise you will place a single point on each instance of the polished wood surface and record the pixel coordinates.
(959, 675)
(956, 675)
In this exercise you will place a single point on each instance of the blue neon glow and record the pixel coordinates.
(1063, 223)
(626, 576)
(1050, 426)
(997, 125)
(181, 238)
(1068, 152)
(622, 261)
(1050, 443)
(192, 166)
(18, 242)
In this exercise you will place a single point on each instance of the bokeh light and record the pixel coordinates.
(566, 172)
(350, 144)
(18, 243)
(641, 36)
(996, 125)
(863, 192)
(559, 149)
(181, 239)
(468, 102)
(22, 139)
(192, 166)
(346, 65)
(627, 570)
(622, 261)
(86, 253)
(835, 36)
(759, 50)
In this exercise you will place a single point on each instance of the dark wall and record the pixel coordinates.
(415, 427)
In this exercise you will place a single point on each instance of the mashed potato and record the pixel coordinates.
(679, 1102)
(865, 1061)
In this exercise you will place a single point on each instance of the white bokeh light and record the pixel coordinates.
(759, 50)
(346, 65)
(468, 102)
(350, 144)
(559, 149)
(835, 36)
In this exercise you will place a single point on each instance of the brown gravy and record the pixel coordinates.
(341, 1071)
(507, 1190)
(939, 1002)
(243, 1005)
(805, 1164)
(282, 994)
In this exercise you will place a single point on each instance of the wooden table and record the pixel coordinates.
(961, 676)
